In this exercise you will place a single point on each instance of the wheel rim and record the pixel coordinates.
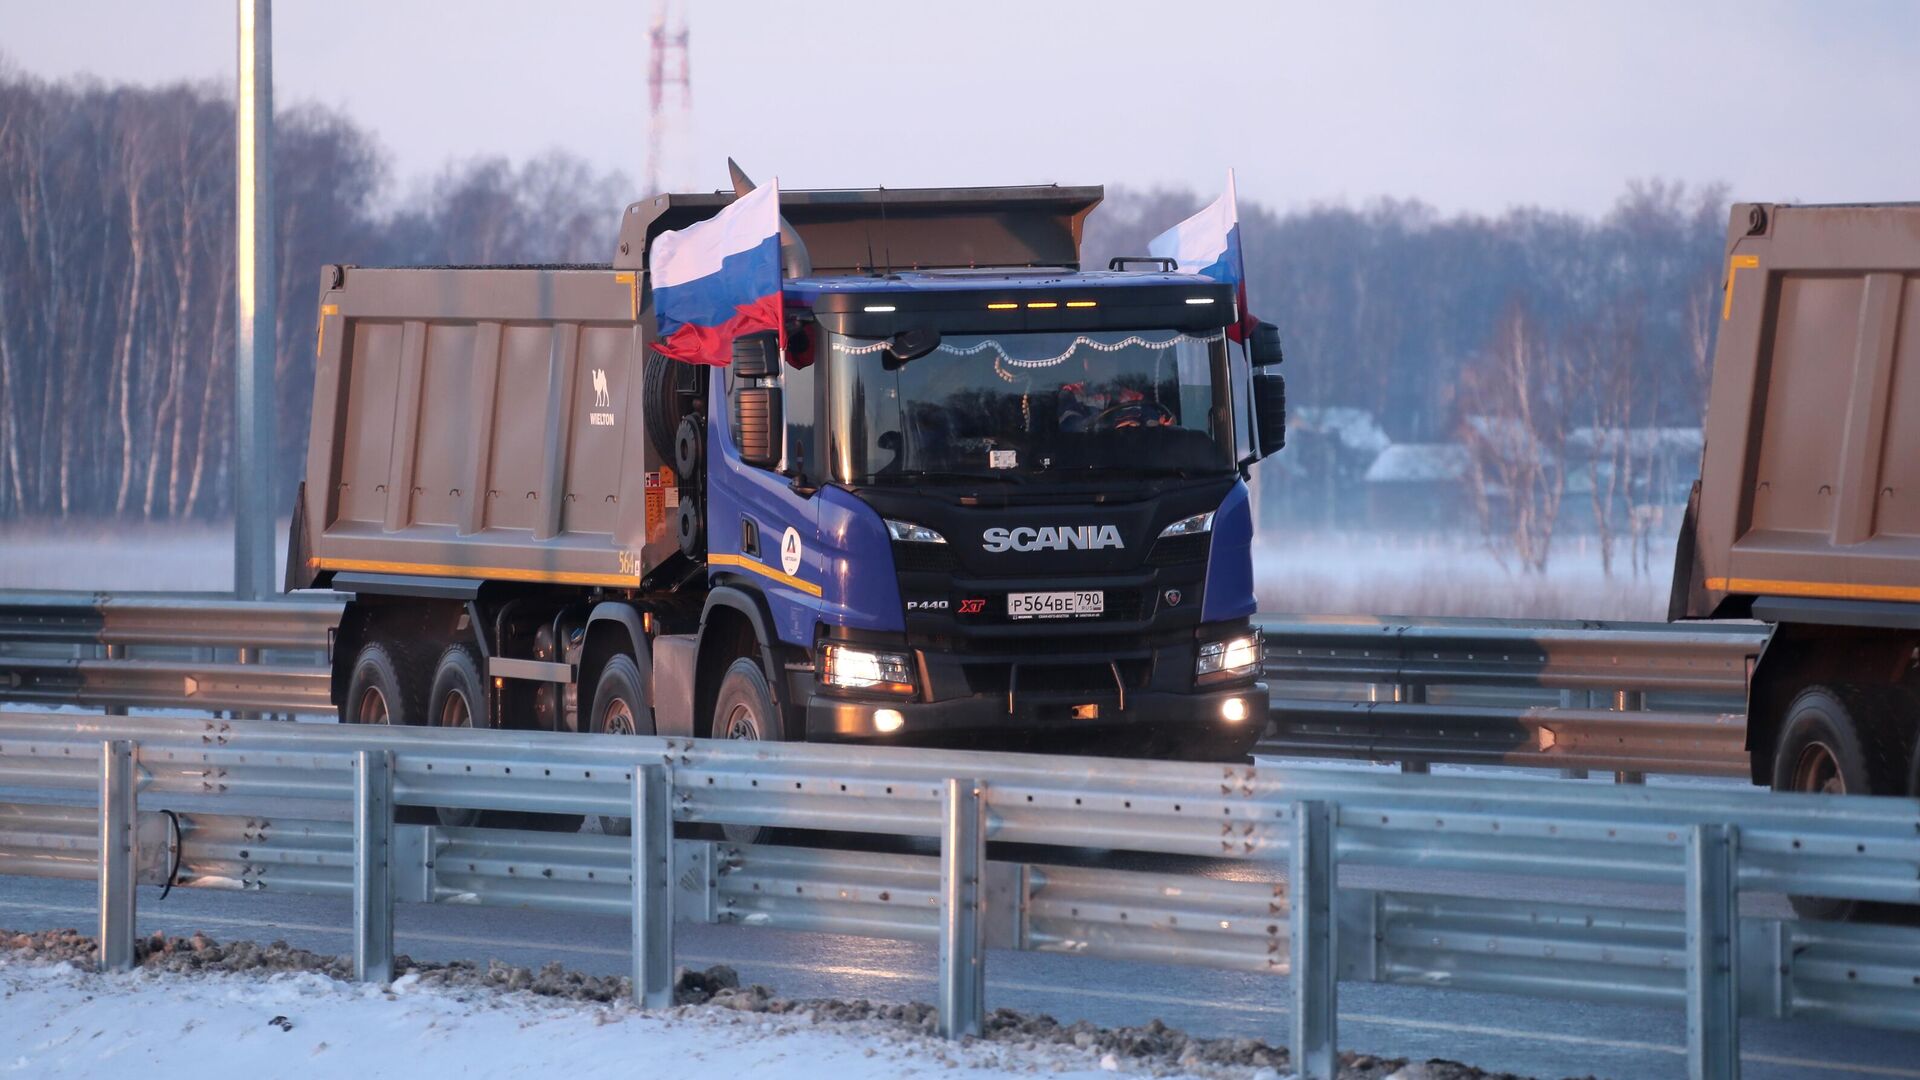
(372, 708)
(1818, 770)
(456, 711)
(617, 719)
(741, 723)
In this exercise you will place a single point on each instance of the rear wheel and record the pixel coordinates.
(381, 690)
(744, 709)
(1838, 739)
(619, 708)
(458, 700)
(385, 689)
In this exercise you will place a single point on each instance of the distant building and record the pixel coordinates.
(1419, 486)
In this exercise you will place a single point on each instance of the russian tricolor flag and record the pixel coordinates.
(718, 279)
(1208, 244)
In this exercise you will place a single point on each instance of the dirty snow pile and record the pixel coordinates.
(197, 1007)
(62, 1021)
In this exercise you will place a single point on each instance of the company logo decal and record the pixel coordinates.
(1172, 596)
(1052, 538)
(602, 399)
(790, 550)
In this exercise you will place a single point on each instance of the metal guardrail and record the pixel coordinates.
(1631, 698)
(275, 807)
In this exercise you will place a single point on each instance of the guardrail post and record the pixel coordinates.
(373, 866)
(652, 887)
(1713, 1001)
(117, 816)
(963, 856)
(1310, 885)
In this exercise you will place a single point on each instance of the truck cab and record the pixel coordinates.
(1000, 506)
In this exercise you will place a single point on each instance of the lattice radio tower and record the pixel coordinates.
(667, 69)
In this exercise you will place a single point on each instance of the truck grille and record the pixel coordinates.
(922, 558)
(1177, 550)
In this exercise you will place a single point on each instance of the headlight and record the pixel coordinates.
(1198, 523)
(913, 534)
(866, 669)
(1234, 656)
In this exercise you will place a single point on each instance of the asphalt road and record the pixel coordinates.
(1533, 1037)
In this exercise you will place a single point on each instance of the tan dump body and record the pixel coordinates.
(1810, 483)
(482, 423)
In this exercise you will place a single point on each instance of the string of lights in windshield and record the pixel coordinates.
(1004, 357)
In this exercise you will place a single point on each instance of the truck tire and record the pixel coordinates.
(619, 708)
(458, 699)
(1838, 739)
(382, 688)
(744, 709)
(665, 404)
(385, 689)
(1841, 739)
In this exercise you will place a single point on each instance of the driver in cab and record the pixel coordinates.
(1086, 405)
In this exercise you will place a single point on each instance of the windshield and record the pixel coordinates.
(1029, 407)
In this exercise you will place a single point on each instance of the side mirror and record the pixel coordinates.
(1263, 345)
(758, 425)
(1270, 410)
(756, 356)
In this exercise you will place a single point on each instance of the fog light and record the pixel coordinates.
(887, 721)
(1233, 710)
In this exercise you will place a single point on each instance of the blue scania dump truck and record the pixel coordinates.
(985, 498)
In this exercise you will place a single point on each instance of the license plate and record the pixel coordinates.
(1080, 603)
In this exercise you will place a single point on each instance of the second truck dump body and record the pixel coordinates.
(1807, 513)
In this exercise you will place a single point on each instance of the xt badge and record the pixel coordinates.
(1172, 597)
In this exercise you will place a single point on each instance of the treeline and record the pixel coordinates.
(116, 294)
(1389, 307)
(116, 278)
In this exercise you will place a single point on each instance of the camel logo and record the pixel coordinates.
(602, 399)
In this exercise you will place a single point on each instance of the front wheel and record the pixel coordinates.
(744, 709)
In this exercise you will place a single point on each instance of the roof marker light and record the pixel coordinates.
(1082, 303)
(879, 308)
(1042, 304)
(1001, 307)
(1199, 299)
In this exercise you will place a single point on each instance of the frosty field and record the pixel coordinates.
(1344, 573)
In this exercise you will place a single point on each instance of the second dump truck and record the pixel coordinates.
(1807, 513)
(986, 498)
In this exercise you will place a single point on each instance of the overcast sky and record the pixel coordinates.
(1469, 106)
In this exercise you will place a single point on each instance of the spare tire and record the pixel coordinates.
(668, 384)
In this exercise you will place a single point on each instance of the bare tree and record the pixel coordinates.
(1516, 404)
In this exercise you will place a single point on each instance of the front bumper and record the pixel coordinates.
(984, 716)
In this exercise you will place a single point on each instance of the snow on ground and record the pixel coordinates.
(61, 1021)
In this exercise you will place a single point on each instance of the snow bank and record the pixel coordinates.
(62, 1021)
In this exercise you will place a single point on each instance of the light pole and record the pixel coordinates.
(254, 282)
